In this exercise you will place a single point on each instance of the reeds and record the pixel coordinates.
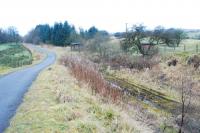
(85, 70)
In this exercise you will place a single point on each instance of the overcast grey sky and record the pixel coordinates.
(110, 15)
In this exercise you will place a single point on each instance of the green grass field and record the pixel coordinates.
(14, 55)
(193, 34)
(188, 45)
(191, 46)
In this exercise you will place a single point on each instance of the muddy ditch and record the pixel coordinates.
(143, 93)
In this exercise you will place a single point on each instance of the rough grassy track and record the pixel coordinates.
(144, 93)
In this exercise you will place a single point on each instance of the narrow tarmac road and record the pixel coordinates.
(14, 85)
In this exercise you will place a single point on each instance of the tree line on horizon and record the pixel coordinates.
(63, 34)
(9, 35)
(60, 34)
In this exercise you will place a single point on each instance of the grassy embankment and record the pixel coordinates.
(166, 80)
(17, 56)
(161, 79)
(57, 102)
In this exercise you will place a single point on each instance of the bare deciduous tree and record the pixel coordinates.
(186, 86)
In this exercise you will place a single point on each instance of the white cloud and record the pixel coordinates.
(105, 14)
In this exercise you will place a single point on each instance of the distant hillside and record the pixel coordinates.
(193, 33)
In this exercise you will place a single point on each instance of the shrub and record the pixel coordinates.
(137, 62)
(85, 70)
(141, 63)
(172, 62)
(195, 61)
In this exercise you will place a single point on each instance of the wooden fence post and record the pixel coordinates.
(184, 48)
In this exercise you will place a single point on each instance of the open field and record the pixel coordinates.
(193, 34)
(188, 45)
(16, 56)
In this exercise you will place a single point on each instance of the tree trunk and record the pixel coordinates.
(182, 112)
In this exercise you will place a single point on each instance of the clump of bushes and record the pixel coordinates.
(141, 63)
(108, 51)
(85, 70)
(195, 61)
(172, 62)
(136, 62)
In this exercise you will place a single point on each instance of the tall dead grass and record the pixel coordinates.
(85, 70)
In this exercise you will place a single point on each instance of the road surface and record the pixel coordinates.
(14, 85)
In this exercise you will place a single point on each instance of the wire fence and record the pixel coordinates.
(182, 48)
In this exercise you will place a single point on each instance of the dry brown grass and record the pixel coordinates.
(58, 103)
(165, 79)
(85, 70)
(137, 62)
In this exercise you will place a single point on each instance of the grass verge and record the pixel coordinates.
(36, 57)
(57, 102)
